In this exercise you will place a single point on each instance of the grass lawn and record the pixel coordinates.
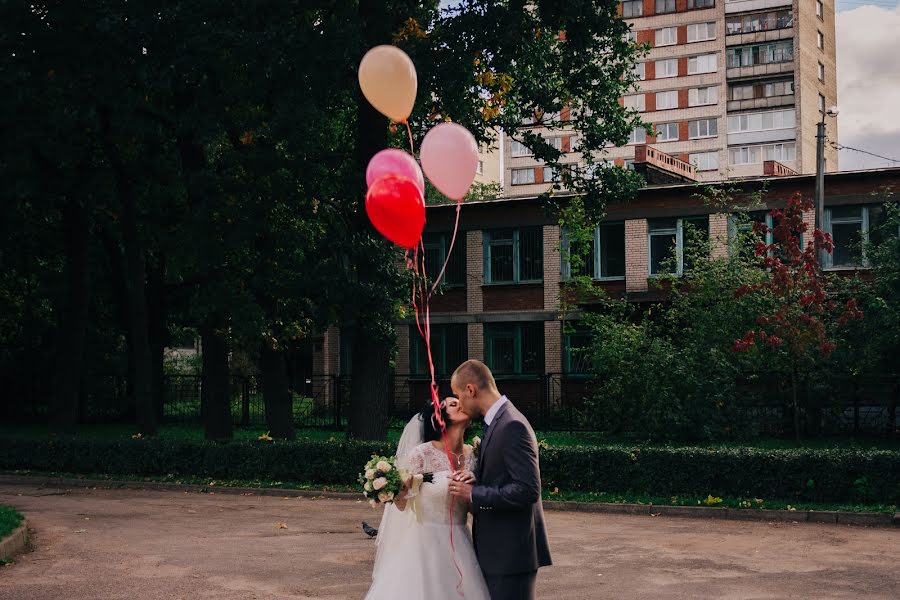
(9, 520)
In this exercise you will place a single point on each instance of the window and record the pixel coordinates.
(820, 10)
(848, 226)
(665, 6)
(449, 348)
(639, 71)
(705, 161)
(576, 349)
(635, 102)
(761, 121)
(522, 176)
(768, 21)
(779, 88)
(638, 136)
(821, 72)
(820, 40)
(702, 96)
(631, 37)
(436, 247)
(705, 63)
(667, 132)
(513, 255)
(703, 128)
(480, 168)
(632, 8)
(520, 149)
(669, 238)
(700, 32)
(750, 91)
(667, 68)
(514, 348)
(821, 103)
(692, 4)
(749, 155)
(609, 262)
(741, 92)
(666, 100)
(741, 229)
(666, 36)
(628, 164)
(748, 56)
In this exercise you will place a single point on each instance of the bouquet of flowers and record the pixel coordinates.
(382, 480)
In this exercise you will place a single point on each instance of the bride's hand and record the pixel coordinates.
(464, 477)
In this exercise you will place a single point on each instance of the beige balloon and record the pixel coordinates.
(388, 80)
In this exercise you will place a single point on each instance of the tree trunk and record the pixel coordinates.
(370, 386)
(276, 393)
(215, 394)
(73, 320)
(158, 330)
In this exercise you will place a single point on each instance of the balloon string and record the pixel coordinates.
(409, 131)
(449, 250)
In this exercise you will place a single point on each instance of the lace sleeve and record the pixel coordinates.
(416, 460)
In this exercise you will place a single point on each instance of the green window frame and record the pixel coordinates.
(607, 264)
(436, 246)
(513, 255)
(669, 228)
(576, 342)
(449, 349)
(514, 348)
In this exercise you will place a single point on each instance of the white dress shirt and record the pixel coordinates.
(493, 410)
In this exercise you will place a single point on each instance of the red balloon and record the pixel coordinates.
(397, 210)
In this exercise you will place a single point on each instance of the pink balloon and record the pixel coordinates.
(395, 162)
(450, 159)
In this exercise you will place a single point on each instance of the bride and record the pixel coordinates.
(414, 558)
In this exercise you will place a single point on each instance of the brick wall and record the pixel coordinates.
(451, 300)
(809, 217)
(718, 235)
(474, 271)
(636, 255)
(551, 267)
(526, 296)
(552, 346)
(402, 361)
(476, 340)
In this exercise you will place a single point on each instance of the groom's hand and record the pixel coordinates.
(461, 490)
(464, 476)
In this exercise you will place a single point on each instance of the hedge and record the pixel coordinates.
(810, 475)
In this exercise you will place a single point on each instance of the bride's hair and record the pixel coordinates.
(431, 430)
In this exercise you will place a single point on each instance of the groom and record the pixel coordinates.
(505, 490)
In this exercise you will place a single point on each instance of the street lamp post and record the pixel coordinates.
(820, 175)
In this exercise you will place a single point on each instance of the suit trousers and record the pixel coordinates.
(511, 587)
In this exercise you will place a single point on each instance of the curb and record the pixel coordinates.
(15, 542)
(864, 519)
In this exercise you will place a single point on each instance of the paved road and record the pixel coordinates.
(163, 545)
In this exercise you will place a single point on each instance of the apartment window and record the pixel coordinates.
(609, 262)
(762, 121)
(665, 6)
(692, 4)
(667, 68)
(701, 32)
(576, 349)
(779, 88)
(519, 149)
(632, 8)
(768, 21)
(449, 348)
(513, 255)
(750, 155)
(635, 102)
(669, 238)
(640, 72)
(704, 161)
(703, 128)
(705, 63)
(820, 10)
(748, 56)
(666, 100)
(638, 136)
(551, 175)
(522, 176)
(631, 37)
(666, 36)
(514, 348)
(820, 40)
(741, 92)
(821, 72)
(667, 132)
(702, 96)
(436, 247)
(821, 103)
(480, 168)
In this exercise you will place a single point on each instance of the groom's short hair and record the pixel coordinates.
(475, 371)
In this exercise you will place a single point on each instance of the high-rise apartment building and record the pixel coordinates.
(727, 85)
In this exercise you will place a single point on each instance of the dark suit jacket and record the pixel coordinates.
(508, 527)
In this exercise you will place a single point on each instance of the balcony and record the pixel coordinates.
(760, 103)
(737, 6)
(759, 37)
(764, 70)
(659, 167)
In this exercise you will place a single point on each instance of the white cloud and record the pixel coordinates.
(868, 84)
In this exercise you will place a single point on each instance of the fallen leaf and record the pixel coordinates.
(281, 525)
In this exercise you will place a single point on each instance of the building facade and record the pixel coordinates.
(726, 84)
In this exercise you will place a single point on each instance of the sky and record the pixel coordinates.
(868, 75)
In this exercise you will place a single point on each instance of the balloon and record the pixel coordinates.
(388, 81)
(450, 159)
(395, 162)
(397, 209)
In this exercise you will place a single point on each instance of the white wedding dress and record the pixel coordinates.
(414, 559)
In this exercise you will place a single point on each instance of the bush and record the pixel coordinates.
(810, 475)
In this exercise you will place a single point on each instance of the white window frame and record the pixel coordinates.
(667, 131)
(665, 73)
(640, 71)
(679, 244)
(668, 96)
(517, 149)
(757, 154)
(667, 5)
(821, 103)
(638, 136)
(703, 124)
(711, 92)
(513, 178)
(820, 40)
(821, 72)
(666, 36)
(635, 101)
(636, 9)
(480, 168)
(703, 164)
(703, 63)
(785, 118)
(820, 9)
(708, 29)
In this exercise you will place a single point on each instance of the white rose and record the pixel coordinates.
(385, 497)
(383, 466)
(368, 486)
(370, 473)
(379, 483)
